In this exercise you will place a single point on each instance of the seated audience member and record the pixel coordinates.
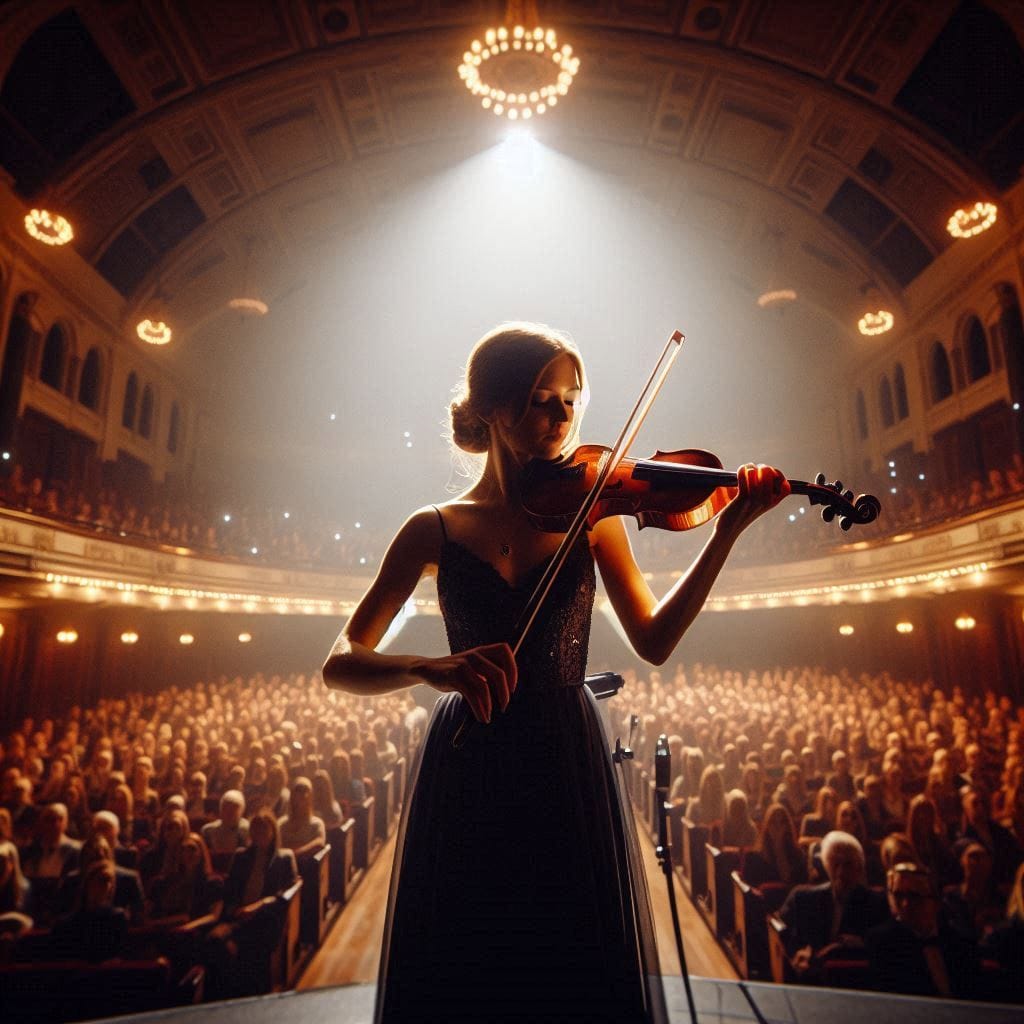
(831, 918)
(195, 800)
(1006, 941)
(872, 809)
(840, 779)
(776, 857)
(301, 831)
(127, 884)
(96, 929)
(708, 806)
(163, 858)
(122, 803)
(47, 859)
(108, 825)
(823, 820)
(276, 795)
(240, 945)
(738, 829)
(340, 769)
(792, 792)
(925, 832)
(973, 906)
(756, 790)
(230, 831)
(325, 806)
(978, 826)
(193, 891)
(22, 810)
(14, 892)
(917, 953)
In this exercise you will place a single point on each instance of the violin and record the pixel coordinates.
(671, 491)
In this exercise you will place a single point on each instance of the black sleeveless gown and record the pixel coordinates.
(518, 892)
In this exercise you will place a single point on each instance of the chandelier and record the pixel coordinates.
(154, 332)
(968, 223)
(876, 323)
(49, 228)
(518, 69)
(778, 297)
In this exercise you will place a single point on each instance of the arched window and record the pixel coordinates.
(862, 416)
(885, 403)
(131, 401)
(174, 429)
(55, 357)
(978, 363)
(89, 384)
(146, 412)
(942, 377)
(899, 385)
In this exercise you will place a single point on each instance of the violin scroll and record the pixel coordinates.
(838, 502)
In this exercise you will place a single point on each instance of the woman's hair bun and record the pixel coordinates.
(469, 431)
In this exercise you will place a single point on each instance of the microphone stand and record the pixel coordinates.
(662, 780)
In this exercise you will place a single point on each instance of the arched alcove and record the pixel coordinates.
(146, 412)
(941, 373)
(885, 403)
(976, 350)
(54, 364)
(130, 407)
(20, 337)
(90, 381)
(899, 384)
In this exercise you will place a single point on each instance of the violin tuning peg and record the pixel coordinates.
(838, 487)
(828, 513)
(845, 523)
(848, 495)
(820, 479)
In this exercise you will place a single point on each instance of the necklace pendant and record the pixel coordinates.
(506, 550)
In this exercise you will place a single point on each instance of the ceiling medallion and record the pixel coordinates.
(50, 228)
(876, 323)
(257, 306)
(153, 332)
(968, 223)
(518, 69)
(776, 298)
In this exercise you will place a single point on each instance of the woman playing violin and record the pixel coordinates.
(518, 891)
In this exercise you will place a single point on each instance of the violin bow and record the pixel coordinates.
(626, 437)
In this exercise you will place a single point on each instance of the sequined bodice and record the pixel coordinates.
(480, 607)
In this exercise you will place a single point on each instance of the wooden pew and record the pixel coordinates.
(315, 872)
(750, 937)
(366, 843)
(384, 806)
(284, 961)
(401, 770)
(718, 906)
(342, 840)
(695, 874)
(778, 955)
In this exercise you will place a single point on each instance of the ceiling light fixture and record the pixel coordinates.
(968, 223)
(876, 323)
(49, 228)
(518, 69)
(154, 332)
(257, 306)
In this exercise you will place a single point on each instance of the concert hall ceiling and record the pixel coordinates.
(196, 143)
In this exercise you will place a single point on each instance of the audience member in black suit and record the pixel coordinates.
(97, 929)
(831, 919)
(979, 827)
(127, 884)
(917, 953)
(1006, 941)
(239, 947)
(46, 861)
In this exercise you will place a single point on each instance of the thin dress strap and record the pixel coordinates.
(444, 532)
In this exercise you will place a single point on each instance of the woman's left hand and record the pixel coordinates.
(760, 488)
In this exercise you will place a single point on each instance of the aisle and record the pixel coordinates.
(351, 951)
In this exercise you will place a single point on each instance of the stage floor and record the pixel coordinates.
(718, 1002)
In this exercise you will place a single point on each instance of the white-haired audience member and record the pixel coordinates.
(231, 830)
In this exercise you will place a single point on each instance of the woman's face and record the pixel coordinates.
(541, 432)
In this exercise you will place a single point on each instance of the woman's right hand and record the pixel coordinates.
(485, 676)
